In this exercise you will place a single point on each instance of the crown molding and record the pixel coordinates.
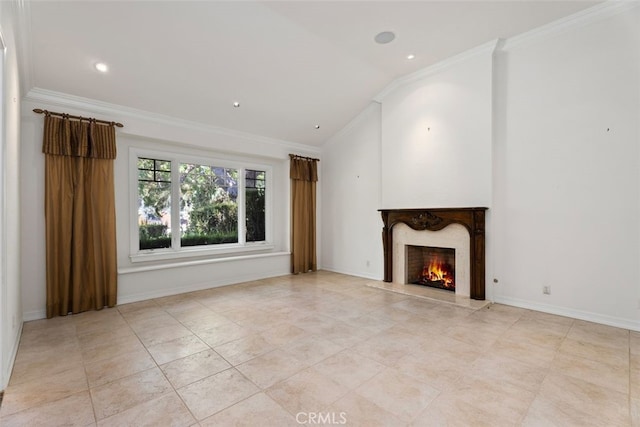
(122, 113)
(593, 14)
(488, 47)
(23, 44)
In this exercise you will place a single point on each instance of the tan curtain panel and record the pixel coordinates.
(79, 215)
(304, 174)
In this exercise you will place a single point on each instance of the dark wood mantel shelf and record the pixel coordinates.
(437, 219)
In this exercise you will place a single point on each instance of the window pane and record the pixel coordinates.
(255, 209)
(208, 205)
(154, 206)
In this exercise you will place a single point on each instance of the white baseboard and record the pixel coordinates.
(8, 367)
(618, 322)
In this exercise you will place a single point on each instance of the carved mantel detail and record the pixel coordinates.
(437, 219)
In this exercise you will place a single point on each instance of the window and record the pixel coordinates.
(208, 205)
(255, 191)
(154, 203)
(189, 206)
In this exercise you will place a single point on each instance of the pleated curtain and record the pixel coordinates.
(304, 175)
(79, 215)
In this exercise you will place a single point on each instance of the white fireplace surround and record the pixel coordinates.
(453, 236)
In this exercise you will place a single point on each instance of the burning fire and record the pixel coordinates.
(438, 271)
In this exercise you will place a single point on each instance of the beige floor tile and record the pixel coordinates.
(397, 393)
(604, 335)
(136, 306)
(372, 323)
(195, 367)
(120, 395)
(155, 336)
(306, 391)
(596, 352)
(223, 334)
(387, 348)
(193, 311)
(108, 370)
(43, 390)
(73, 410)
(95, 339)
(448, 410)
(494, 402)
(312, 349)
(635, 412)
(257, 410)
(634, 342)
(160, 320)
(314, 338)
(217, 392)
(524, 351)
(614, 377)
(44, 326)
(243, 349)
(48, 340)
(271, 368)
(99, 321)
(176, 349)
(504, 370)
(34, 365)
(205, 322)
(432, 368)
(355, 410)
(283, 334)
(547, 413)
(167, 410)
(108, 349)
(349, 368)
(469, 334)
(634, 376)
(527, 335)
(572, 395)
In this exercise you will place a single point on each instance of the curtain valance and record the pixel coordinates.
(303, 169)
(78, 138)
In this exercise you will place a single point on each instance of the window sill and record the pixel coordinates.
(190, 263)
(219, 252)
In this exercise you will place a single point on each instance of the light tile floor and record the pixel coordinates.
(321, 348)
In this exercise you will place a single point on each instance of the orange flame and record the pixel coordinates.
(438, 270)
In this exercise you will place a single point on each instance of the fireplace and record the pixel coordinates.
(431, 266)
(467, 223)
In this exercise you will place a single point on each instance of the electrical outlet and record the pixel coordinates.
(546, 290)
(368, 263)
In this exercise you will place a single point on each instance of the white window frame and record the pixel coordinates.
(218, 250)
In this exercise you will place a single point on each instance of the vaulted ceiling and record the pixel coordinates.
(291, 65)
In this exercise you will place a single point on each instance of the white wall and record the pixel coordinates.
(351, 225)
(143, 280)
(567, 191)
(530, 131)
(10, 301)
(436, 137)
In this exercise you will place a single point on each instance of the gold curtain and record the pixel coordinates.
(304, 174)
(79, 215)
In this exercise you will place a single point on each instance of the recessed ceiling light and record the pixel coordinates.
(236, 104)
(102, 67)
(411, 56)
(384, 37)
(317, 126)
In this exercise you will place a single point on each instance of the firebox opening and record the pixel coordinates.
(431, 266)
